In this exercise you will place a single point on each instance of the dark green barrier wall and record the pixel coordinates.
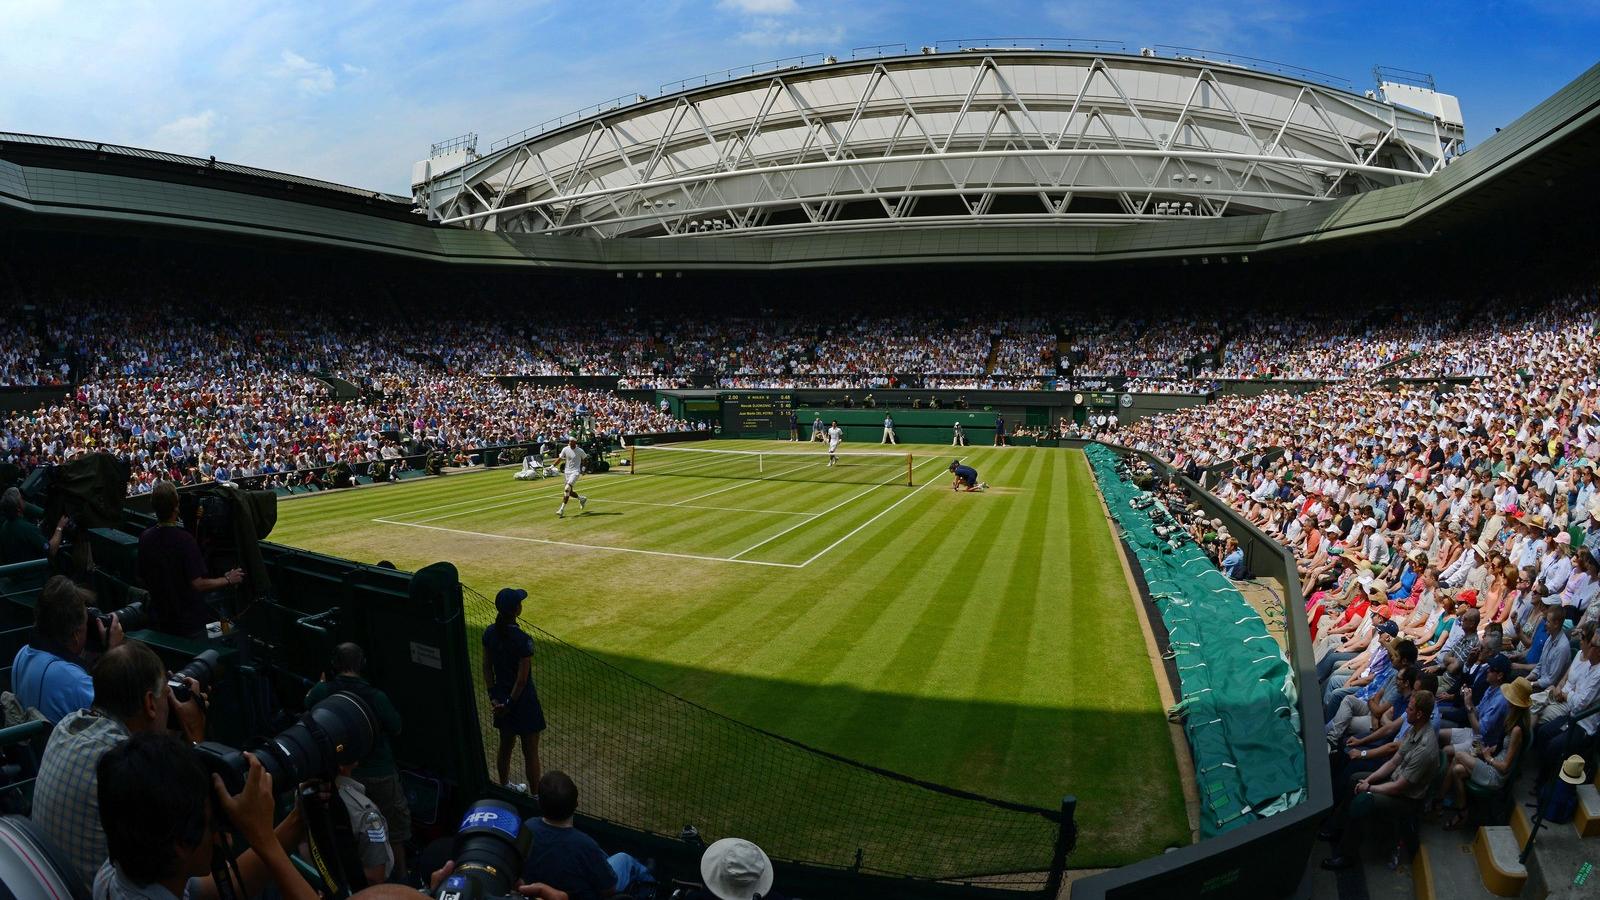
(911, 426)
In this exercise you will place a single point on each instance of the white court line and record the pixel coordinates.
(834, 507)
(775, 512)
(865, 524)
(507, 537)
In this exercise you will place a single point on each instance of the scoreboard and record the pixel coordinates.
(762, 413)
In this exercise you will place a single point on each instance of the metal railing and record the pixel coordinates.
(770, 65)
(469, 141)
(1256, 64)
(567, 119)
(959, 45)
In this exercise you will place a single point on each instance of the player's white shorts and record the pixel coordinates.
(572, 479)
(833, 448)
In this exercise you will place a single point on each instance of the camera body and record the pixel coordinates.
(133, 617)
(203, 669)
(489, 849)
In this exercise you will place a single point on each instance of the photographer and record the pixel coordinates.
(157, 808)
(174, 572)
(20, 537)
(378, 775)
(47, 674)
(131, 696)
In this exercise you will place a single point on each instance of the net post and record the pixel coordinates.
(909, 479)
(1066, 840)
(633, 459)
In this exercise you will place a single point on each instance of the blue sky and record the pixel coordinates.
(356, 91)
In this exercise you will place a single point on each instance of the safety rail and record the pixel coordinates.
(567, 119)
(468, 142)
(1256, 64)
(962, 45)
(770, 65)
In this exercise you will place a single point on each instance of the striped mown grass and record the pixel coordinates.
(982, 641)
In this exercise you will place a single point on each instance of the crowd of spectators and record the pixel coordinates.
(1448, 543)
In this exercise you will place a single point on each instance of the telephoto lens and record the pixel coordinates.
(490, 847)
(337, 731)
(203, 669)
(132, 618)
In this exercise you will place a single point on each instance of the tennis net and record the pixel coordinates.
(757, 465)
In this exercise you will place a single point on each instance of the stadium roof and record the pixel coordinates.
(66, 186)
(985, 136)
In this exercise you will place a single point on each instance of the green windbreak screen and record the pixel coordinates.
(1238, 692)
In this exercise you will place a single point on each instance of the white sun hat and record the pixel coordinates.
(735, 869)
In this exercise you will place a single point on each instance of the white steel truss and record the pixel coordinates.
(945, 139)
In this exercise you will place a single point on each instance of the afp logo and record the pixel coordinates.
(490, 817)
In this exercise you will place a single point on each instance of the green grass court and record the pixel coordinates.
(983, 641)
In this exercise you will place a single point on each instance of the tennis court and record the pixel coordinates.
(787, 509)
(984, 641)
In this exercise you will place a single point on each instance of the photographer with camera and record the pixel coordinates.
(377, 773)
(174, 571)
(21, 539)
(132, 695)
(159, 813)
(48, 673)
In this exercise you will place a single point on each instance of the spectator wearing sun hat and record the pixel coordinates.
(1556, 567)
(735, 869)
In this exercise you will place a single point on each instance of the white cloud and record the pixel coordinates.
(760, 7)
(191, 134)
(311, 78)
(353, 70)
(774, 33)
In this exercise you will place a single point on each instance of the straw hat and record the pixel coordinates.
(1518, 692)
(736, 869)
(1572, 770)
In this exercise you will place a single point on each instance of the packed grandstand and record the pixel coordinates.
(187, 389)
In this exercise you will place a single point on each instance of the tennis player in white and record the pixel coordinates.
(572, 457)
(835, 438)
